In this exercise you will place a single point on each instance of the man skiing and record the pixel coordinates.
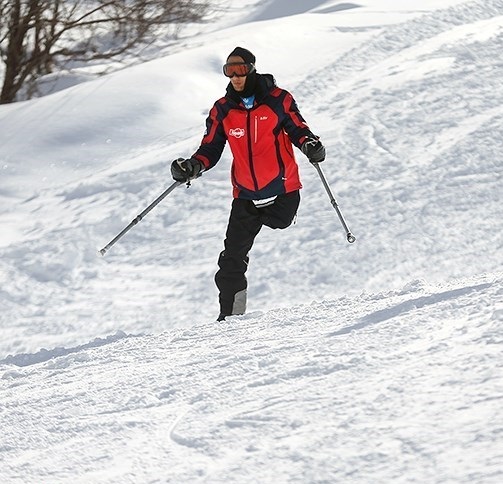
(261, 122)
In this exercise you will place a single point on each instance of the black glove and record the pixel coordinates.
(183, 170)
(314, 150)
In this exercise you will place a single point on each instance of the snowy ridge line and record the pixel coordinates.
(287, 8)
(409, 305)
(403, 306)
(395, 39)
(43, 355)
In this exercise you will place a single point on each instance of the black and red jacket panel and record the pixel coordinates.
(260, 139)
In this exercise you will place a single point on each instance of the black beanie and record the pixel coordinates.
(245, 54)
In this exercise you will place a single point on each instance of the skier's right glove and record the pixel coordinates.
(314, 150)
(183, 170)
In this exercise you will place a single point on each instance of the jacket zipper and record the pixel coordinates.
(250, 151)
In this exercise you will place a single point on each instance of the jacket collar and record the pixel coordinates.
(265, 84)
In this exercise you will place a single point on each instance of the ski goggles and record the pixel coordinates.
(240, 69)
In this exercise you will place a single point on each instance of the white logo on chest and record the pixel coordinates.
(237, 132)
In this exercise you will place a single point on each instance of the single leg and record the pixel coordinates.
(244, 225)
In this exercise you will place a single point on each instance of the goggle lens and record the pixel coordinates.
(240, 69)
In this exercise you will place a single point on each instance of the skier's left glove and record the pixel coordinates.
(314, 150)
(183, 170)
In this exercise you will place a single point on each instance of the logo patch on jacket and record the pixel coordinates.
(237, 132)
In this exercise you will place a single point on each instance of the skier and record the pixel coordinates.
(260, 121)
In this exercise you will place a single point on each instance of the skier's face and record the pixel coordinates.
(238, 83)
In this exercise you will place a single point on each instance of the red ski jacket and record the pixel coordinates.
(260, 139)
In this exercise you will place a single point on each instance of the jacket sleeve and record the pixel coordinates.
(214, 139)
(293, 123)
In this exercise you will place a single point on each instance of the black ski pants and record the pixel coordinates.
(245, 222)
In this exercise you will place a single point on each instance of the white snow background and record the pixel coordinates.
(373, 362)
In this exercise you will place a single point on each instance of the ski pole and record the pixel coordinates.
(351, 238)
(159, 199)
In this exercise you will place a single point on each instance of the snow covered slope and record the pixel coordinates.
(378, 361)
(401, 386)
(407, 101)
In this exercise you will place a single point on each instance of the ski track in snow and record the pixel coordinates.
(403, 386)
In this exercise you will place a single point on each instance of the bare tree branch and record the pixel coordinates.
(38, 35)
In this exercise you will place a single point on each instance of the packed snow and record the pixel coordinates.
(373, 362)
